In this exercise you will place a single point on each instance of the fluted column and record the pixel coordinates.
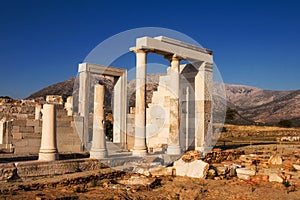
(98, 149)
(140, 148)
(48, 150)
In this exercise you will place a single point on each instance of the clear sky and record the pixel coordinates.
(255, 43)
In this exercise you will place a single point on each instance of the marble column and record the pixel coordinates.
(2, 130)
(83, 102)
(120, 111)
(174, 143)
(187, 99)
(140, 148)
(203, 105)
(38, 108)
(69, 106)
(48, 150)
(98, 149)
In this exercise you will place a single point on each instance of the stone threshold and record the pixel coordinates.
(35, 168)
(56, 180)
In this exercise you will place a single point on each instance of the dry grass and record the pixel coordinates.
(230, 127)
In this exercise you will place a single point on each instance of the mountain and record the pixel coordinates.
(246, 96)
(64, 88)
(252, 105)
(264, 106)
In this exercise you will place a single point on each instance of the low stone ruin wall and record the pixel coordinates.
(21, 130)
(37, 168)
(276, 133)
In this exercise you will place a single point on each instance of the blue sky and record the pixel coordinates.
(254, 42)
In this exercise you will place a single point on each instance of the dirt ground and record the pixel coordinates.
(163, 188)
(107, 184)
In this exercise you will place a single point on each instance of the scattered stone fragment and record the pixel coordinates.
(142, 169)
(296, 167)
(288, 166)
(260, 178)
(197, 169)
(191, 156)
(275, 160)
(137, 180)
(181, 167)
(161, 171)
(194, 169)
(245, 171)
(232, 171)
(217, 156)
(275, 178)
(211, 173)
(7, 171)
(221, 170)
(243, 176)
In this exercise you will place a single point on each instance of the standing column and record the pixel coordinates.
(38, 108)
(120, 110)
(98, 149)
(187, 99)
(174, 145)
(117, 98)
(83, 104)
(2, 130)
(48, 150)
(8, 135)
(69, 106)
(140, 148)
(203, 111)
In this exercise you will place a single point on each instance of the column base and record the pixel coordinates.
(139, 152)
(204, 150)
(173, 149)
(98, 154)
(48, 156)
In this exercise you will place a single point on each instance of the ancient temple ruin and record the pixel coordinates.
(180, 114)
(178, 118)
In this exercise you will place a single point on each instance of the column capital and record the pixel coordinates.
(135, 50)
(173, 57)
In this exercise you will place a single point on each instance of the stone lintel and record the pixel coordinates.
(100, 69)
(167, 47)
(183, 44)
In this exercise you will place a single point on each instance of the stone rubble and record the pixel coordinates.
(194, 169)
(275, 160)
(260, 178)
(7, 171)
(246, 171)
(275, 178)
(254, 168)
(296, 167)
(137, 180)
(218, 156)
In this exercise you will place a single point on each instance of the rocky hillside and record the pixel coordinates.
(264, 105)
(253, 105)
(64, 89)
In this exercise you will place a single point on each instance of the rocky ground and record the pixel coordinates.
(152, 188)
(263, 172)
